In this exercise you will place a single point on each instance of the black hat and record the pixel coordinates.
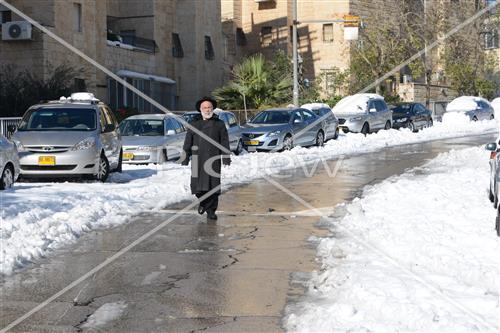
(206, 99)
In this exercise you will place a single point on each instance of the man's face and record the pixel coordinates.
(207, 110)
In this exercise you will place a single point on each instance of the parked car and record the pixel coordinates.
(413, 116)
(363, 113)
(151, 138)
(495, 104)
(330, 122)
(233, 129)
(70, 137)
(476, 108)
(191, 116)
(494, 148)
(282, 129)
(9, 163)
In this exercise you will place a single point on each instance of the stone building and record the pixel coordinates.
(169, 49)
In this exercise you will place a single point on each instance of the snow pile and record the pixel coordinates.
(496, 107)
(105, 314)
(354, 104)
(417, 253)
(313, 106)
(37, 217)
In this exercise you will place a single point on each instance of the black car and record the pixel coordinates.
(411, 115)
(191, 116)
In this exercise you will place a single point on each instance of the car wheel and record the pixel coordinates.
(336, 135)
(474, 119)
(387, 125)
(491, 196)
(365, 129)
(7, 178)
(429, 123)
(411, 126)
(164, 155)
(495, 200)
(492, 117)
(287, 142)
(103, 171)
(320, 139)
(119, 168)
(239, 148)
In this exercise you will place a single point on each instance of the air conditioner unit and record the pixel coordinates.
(16, 30)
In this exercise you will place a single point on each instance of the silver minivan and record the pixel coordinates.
(70, 137)
(363, 113)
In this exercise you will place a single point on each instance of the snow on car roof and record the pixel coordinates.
(464, 103)
(354, 104)
(311, 106)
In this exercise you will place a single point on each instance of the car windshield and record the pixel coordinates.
(59, 119)
(402, 109)
(271, 117)
(142, 127)
(190, 117)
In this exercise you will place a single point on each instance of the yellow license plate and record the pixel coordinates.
(46, 160)
(128, 156)
(252, 143)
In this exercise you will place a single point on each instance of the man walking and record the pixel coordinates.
(206, 156)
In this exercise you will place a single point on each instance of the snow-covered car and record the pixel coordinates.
(363, 113)
(476, 108)
(9, 163)
(229, 119)
(151, 138)
(76, 136)
(330, 122)
(282, 129)
(413, 116)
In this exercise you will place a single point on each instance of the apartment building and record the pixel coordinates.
(168, 49)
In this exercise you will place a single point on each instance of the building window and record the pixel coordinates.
(328, 33)
(209, 49)
(491, 40)
(177, 51)
(266, 36)
(5, 16)
(241, 39)
(77, 17)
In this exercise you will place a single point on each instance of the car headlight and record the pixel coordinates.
(84, 144)
(356, 118)
(400, 120)
(145, 148)
(19, 146)
(274, 133)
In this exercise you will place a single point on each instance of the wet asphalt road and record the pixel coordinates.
(235, 275)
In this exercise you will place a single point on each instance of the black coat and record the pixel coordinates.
(201, 151)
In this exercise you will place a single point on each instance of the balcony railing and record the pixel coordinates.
(139, 43)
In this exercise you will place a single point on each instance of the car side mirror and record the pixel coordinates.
(491, 146)
(170, 132)
(297, 121)
(372, 110)
(11, 128)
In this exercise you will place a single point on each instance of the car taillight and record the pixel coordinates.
(493, 155)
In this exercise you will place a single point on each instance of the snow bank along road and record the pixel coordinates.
(437, 224)
(37, 217)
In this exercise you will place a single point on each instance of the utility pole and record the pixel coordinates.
(295, 56)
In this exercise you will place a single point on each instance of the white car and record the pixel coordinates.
(9, 163)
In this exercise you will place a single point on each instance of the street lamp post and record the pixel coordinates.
(295, 56)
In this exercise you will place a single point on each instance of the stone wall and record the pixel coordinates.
(416, 92)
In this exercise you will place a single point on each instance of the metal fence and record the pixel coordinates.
(5, 122)
(240, 114)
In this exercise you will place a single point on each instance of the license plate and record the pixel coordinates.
(252, 143)
(46, 160)
(128, 156)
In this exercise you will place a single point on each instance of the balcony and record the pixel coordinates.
(131, 42)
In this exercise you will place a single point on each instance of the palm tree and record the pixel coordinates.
(255, 85)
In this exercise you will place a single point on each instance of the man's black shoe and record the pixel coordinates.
(211, 216)
(201, 209)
